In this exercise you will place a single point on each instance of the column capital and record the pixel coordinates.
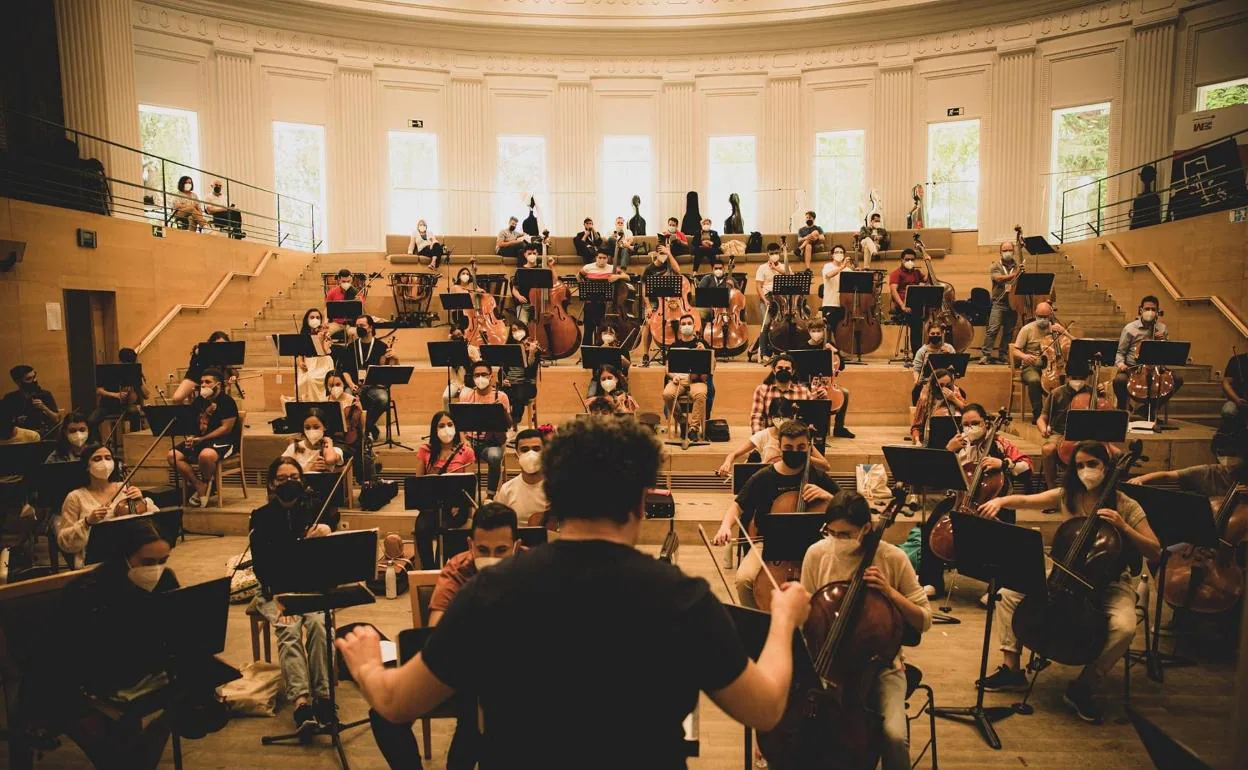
(1017, 48)
(232, 48)
(355, 65)
(463, 76)
(899, 65)
(1156, 19)
(779, 76)
(573, 81)
(678, 80)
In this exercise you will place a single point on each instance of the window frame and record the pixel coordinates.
(1055, 195)
(934, 187)
(504, 200)
(1202, 92)
(320, 213)
(716, 207)
(827, 220)
(646, 191)
(429, 197)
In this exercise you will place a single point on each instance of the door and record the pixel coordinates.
(91, 338)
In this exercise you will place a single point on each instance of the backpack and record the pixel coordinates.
(754, 245)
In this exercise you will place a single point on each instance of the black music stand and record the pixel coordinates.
(181, 420)
(743, 472)
(1036, 244)
(452, 354)
(1160, 353)
(689, 361)
(327, 574)
(816, 413)
(594, 357)
(1176, 518)
(1004, 556)
(789, 535)
(295, 345)
(711, 297)
(860, 283)
(349, 309)
(108, 535)
(1093, 352)
(386, 376)
(1034, 284)
(661, 286)
(439, 494)
(954, 362)
(297, 412)
(480, 418)
(455, 541)
(225, 356)
(599, 290)
(1106, 425)
(921, 298)
(941, 428)
(455, 302)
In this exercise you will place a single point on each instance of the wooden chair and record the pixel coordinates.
(416, 581)
(232, 466)
(260, 629)
(1017, 387)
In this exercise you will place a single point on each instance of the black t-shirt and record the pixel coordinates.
(1237, 371)
(768, 484)
(25, 413)
(357, 356)
(633, 640)
(226, 408)
(697, 343)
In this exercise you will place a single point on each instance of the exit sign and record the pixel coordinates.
(416, 123)
(953, 112)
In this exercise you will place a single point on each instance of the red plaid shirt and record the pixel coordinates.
(765, 394)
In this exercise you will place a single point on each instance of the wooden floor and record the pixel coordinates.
(1193, 704)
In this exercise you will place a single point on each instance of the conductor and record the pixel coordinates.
(634, 639)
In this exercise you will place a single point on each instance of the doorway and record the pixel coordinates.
(91, 337)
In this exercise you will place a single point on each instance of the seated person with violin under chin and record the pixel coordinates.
(611, 387)
(219, 434)
(1034, 342)
(939, 396)
(1055, 411)
(1147, 327)
(676, 384)
(755, 503)
(1081, 490)
(816, 328)
(836, 558)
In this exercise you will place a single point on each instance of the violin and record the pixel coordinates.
(1208, 580)
(727, 334)
(483, 323)
(984, 485)
(781, 572)
(551, 326)
(205, 417)
(957, 326)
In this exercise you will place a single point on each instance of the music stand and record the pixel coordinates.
(385, 376)
(1160, 353)
(689, 361)
(1036, 244)
(809, 364)
(108, 535)
(1093, 352)
(789, 535)
(53, 481)
(295, 345)
(1004, 556)
(941, 428)
(816, 413)
(455, 302)
(322, 483)
(452, 354)
(954, 362)
(1034, 284)
(660, 286)
(439, 494)
(1176, 518)
(331, 411)
(480, 419)
(326, 574)
(455, 541)
(860, 283)
(347, 309)
(1105, 425)
(594, 357)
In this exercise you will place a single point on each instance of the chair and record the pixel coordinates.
(1017, 387)
(233, 465)
(417, 580)
(260, 628)
(914, 683)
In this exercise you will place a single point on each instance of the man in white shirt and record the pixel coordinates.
(620, 244)
(594, 309)
(832, 269)
(764, 277)
(526, 493)
(225, 217)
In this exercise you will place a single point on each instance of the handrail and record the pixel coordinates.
(177, 309)
(1154, 162)
(1160, 274)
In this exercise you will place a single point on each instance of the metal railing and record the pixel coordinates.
(45, 162)
(1091, 213)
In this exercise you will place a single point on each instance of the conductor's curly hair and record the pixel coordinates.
(600, 468)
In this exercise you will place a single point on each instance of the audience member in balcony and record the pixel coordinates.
(511, 242)
(809, 238)
(31, 406)
(425, 244)
(345, 291)
(225, 216)
(312, 369)
(188, 212)
(707, 248)
(195, 369)
(872, 238)
(220, 432)
(354, 359)
(588, 242)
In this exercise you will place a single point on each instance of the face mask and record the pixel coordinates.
(102, 469)
(446, 434)
(1076, 384)
(518, 335)
(1007, 256)
(934, 339)
(974, 433)
(207, 391)
(608, 339)
(794, 458)
(842, 547)
(30, 387)
(1148, 316)
(147, 576)
(314, 323)
(838, 257)
(289, 491)
(481, 382)
(511, 228)
(1043, 323)
(1091, 477)
(344, 284)
(482, 562)
(336, 392)
(686, 329)
(361, 331)
(816, 336)
(465, 278)
(607, 385)
(908, 264)
(773, 259)
(531, 462)
(186, 188)
(719, 274)
(671, 229)
(783, 375)
(77, 437)
(809, 222)
(314, 436)
(216, 189)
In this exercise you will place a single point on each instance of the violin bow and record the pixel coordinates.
(325, 505)
(732, 595)
(135, 468)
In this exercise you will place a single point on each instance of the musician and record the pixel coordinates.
(71, 438)
(31, 406)
(765, 444)
(1232, 427)
(899, 282)
(872, 238)
(818, 340)
(619, 245)
(312, 449)
(609, 340)
(289, 516)
(677, 240)
(1053, 415)
(598, 268)
(12, 490)
(355, 358)
(126, 401)
(753, 503)
(611, 385)
(676, 384)
(831, 272)
(511, 242)
(1002, 274)
(526, 493)
(1147, 326)
(345, 291)
(590, 595)
(662, 261)
(487, 445)
(185, 392)
(349, 441)
(946, 398)
(836, 558)
(219, 434)
(446, 451)
(312, 371)
(718, 278)
(1027, 351)
(809, 238)
(935, 344)
(1209, 480)
(600, 407)
(100, 497)
(528, 260)
(1078, 495)
(520, 382)
(780, 383)
(707, 247)
(764, 279)
(588, 242)
(426, 244)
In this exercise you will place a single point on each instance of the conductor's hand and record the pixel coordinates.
(723, 535)
(361, 649)
(320, 530)
(790, 605)
(815, 494)
(991, 508)
(97, 515)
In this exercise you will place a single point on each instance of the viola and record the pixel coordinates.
(727, 334)
(1208, 580)
(551, 326)
(984, 485)
(781, 572)
(787, 328)
(959, 328)
(483, 323)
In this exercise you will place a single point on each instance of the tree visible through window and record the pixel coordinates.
(413, 167)
(521, 172)
(732, 168)
(840, 171)
(171, 134)
(299, 177)
(1223, 94)
(1079, 157)
(626, 171)
(953, 174)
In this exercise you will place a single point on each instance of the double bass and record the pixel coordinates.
(1208, 580)
(787, 328)
(984, 485)
(781, 572)
(483, 323)
(727, 333)
(1023, 305)
(551, 326)
(619, 316)
(852, 633)
(662, 319)
(959, 326)
(1066, 624)
(859, 330)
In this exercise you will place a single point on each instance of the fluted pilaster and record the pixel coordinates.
(1009, 194)
(895, 173)
(779, 158)
(231, 148)
(1147, 120)
(677, 148)
(574, 182)
(356, 192)
(467, 156)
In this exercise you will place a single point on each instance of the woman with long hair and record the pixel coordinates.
(446, 451)
(100, 497)
(312, 370)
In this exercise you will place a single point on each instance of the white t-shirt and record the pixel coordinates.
(524, 498)
(832, 284)
(593, 271)
(767, 444)
(766, 274)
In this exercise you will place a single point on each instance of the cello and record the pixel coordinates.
(781, 572)
(959, 326)
(1208, 580)
(787, 327)
(551, 326)
(1053, 373)
(859, 329)
(984, 485)
(619, 318)
(1149, 383)
(1066, 624)
(1083, 400)
(483, 324)
(727, 333)
(852, 633)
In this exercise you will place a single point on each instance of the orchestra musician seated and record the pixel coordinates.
(520, 382)
(526, 493)
(676, 239)
(528, 260)
(836, 558)
(511, 242)
(946, 398)
(935, 344)
(600, 406)
(350, 441)
(1213, 480)
(718, 278)
(752, 505)
(676, 384)
(619, 245)
(765, 444)
(1148, 326)
(1233, 422)
(1028, 349)
(185, 392)
(100, 498)
(707, 247)
(488, 446)
(313, 449)
(355, 358)
(598, 268)
(612, 387)
(780, 383)
(32, 407)
(343, 292)
(1053, 415)
(289, 516)
(588, 242)
(817, 328)
(218, 438)
(127, 401)
(446, 451)
(1077, 496)
(662, 262)
(872, 238)
(71, 439)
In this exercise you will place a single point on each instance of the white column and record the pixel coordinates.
(893, 151)
(677, 148)
(355, 203)
(1146, 120)
(572, 160)
(779, 158)
(1010, 193)
(469, 155)
(96, 51)
(231, 148)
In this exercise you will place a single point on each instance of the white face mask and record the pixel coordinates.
(1007, 256)
(77, 437)
(608, 339)
(465, 279)
(1148, 316)
(314, 323)
(314, 435)
(531, 462)
(1091, 477)
(207, 391)
(908, 264)
(446, 434)
(147, 576)
(335, 392)
(838, 257)
(481, 382)
(101, 469)
(816, 336)
(345, 284)
(974, 433)
(482, 562)
(686, 329)
(843, 547)
(719, 273)
(519, 334)
(607, 385)
(774, 259)
(1076, 384)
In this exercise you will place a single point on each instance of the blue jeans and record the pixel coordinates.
(304, 662)
(1000, 321)
(493, 456)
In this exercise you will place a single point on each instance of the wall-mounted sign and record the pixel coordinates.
(953, 112)
(416, 123)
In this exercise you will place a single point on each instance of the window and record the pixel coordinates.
(299, 177)
(171, 134)
(953, 168)
(1079, 157)
(1224, 94)
(413, 165)
(521, 172)
(626, 172)
(840, 171)
(732, 169)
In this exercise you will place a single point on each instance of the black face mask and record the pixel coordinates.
(794, 458)
(289, 491)
(934, 339)
(783, 375)
(362, 331)
(30, 387)
(809, 222)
